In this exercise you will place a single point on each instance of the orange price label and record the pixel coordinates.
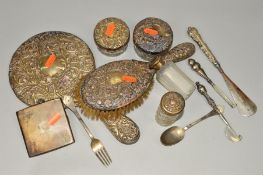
(129, 79)
(150, 31)
(53, 119)
(110, 29)
(50, 61)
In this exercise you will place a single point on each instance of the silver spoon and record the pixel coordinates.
(175, 134)
(229, 131)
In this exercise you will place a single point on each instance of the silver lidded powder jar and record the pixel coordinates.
(170, 109)
(152, 37)
(111, 35)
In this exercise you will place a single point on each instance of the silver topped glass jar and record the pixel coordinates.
(170, 109)
(111, 35)
(152, 37)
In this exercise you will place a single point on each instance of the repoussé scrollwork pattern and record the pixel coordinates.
(123, 129)
(31, 84)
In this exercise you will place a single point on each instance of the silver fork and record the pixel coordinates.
(96, 145)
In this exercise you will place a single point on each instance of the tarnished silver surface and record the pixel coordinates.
(231, 134)
(123, 129)
(96, 145)
(200, 71)
(42, 135)
(175, 134)
(33, 83)
(179, 53)
(246, 107)
(104, 90)
(172, 103)
(149, 46)
(117, 42)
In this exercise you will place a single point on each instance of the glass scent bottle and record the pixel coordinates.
(170, 109)
(173, 78)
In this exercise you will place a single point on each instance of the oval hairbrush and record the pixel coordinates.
(118, 87)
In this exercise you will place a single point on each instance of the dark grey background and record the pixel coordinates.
(232, 29)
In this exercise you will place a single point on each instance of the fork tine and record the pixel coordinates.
(102, 157)
(107, 155)
(102, 150)
(101, 160)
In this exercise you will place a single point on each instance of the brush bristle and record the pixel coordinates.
(95, 114)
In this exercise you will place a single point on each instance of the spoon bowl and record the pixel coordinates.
(232, 135)
(175, 134)
(172, 135)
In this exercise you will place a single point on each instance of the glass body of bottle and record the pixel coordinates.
(174, 79)
(170, 109)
